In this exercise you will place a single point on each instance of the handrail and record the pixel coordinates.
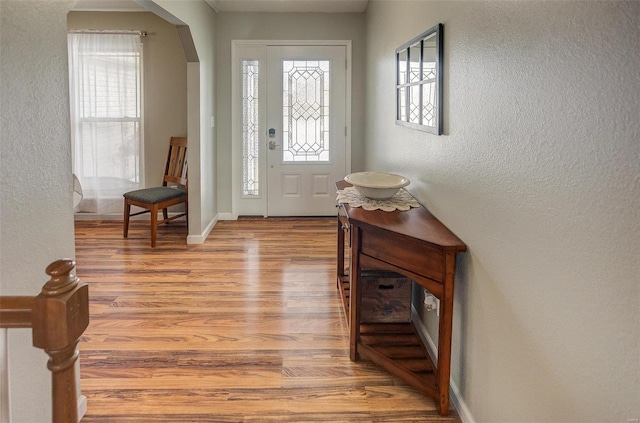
(15, 312)
(58, 316)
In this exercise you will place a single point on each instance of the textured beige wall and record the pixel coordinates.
(538, 172)
(36, 213)
(284, 26)
(165, 80)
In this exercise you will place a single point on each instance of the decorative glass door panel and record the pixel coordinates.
(306, 89)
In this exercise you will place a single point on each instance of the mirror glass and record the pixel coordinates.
(402, 67)
(415, 58)
(419, 82)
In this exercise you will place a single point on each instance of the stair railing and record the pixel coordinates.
(58, 317)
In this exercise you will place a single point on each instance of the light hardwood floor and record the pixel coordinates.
(247, 327)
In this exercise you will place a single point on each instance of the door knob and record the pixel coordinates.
(273, 145)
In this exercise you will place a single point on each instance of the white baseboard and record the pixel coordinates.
(4, 377)
(82, 407)
(454, 393)
(199, 239)
(227, 216)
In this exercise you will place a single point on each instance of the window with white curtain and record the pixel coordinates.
(105, 74)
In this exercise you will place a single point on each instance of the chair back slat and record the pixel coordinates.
(176, 169)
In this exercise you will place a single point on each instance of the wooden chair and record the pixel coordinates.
(159, 198)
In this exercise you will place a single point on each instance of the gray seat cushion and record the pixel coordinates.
(154, 195)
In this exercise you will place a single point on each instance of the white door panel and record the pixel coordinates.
(306, 116)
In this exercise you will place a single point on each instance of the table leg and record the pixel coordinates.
(355, 298)
(444, 335)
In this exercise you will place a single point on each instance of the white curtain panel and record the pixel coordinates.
(105, 85)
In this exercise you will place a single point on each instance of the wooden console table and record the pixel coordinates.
(417, 245)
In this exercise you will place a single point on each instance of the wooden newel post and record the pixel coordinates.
(60, 316)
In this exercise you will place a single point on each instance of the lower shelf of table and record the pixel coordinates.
(396, 347)
(343, 288)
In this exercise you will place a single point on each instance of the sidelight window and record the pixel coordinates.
(250, 128)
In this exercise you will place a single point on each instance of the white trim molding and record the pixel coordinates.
(199, 239)
(227, 216)
(82, 407)
(5, 399)
(454, 392)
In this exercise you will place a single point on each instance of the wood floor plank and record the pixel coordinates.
(246, 327)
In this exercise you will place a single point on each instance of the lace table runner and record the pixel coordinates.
(402, 200)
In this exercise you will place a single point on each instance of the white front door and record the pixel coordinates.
(306, 129)
(290, 144)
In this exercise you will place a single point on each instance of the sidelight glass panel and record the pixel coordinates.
(250, 128)
(305, 96)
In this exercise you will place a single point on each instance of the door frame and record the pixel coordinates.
(236, 113)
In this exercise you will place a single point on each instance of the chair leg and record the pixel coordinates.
(186, 212)
(127, 212)
(154, 224)
(165, 215)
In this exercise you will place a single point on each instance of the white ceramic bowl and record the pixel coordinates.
(377, 185)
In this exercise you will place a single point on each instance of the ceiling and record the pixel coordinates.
(323, 6)
(108, 6)
(318, 6)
